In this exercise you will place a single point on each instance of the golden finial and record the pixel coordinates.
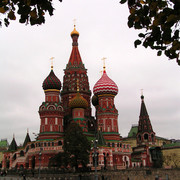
(74, 22)
(74, 32)
(28, 130)
(52, 62)
(103, 59)
(142, 97)
(77, 85)
(13, 136)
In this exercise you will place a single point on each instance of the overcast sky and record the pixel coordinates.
(25, 52)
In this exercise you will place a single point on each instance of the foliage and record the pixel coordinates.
(60, 160)
(161, 21)
(30, 11)
(76, 146)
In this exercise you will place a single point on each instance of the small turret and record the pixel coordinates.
(13, 145)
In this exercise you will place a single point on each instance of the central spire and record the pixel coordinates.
(75, 58)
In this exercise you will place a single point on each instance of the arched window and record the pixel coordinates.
(112, 144)
(21, 153)
(59, 143)
(145, 136)
(32, 146)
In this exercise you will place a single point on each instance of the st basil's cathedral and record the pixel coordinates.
(71, 101)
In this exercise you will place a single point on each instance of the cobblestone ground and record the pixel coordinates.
(42, 178)
(30, 178)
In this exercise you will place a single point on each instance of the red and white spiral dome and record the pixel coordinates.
(105, 85)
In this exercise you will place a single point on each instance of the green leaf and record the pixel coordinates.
(130, 23)
(141, 35)
(159, 53)
(123, 1)
(137, 42)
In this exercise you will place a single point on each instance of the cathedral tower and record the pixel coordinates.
(145, 134)
(106, 113)
(51, 111)
(75, 70)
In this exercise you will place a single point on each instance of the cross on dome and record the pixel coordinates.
(74, 22)
(51, 62)
(103, 59)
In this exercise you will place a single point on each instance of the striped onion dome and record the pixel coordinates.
(51, 82)
(105, 86)
(78, 102)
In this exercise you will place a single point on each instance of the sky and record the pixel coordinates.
(25, 62)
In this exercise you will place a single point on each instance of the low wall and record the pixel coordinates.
(131, 174)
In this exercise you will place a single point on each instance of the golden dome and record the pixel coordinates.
(78, 102)
(74, 32)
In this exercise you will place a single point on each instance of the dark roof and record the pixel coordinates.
(27, 139)
(13, 145)
(143, 111)
(144, 121)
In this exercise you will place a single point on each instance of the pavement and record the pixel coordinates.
(16, 178)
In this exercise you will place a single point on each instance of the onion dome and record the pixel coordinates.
(78, 102)
(51, 82)
(105, 86)
(74, 32)
(95, 100)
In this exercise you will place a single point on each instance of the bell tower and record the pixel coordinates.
(75, 70)
(145, 134)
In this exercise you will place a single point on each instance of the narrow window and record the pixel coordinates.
(46, 120)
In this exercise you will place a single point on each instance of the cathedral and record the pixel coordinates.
(70, 101)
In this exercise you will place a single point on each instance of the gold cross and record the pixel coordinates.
(51, 62)
(141, 92)
(103, 59)
(74, 22)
